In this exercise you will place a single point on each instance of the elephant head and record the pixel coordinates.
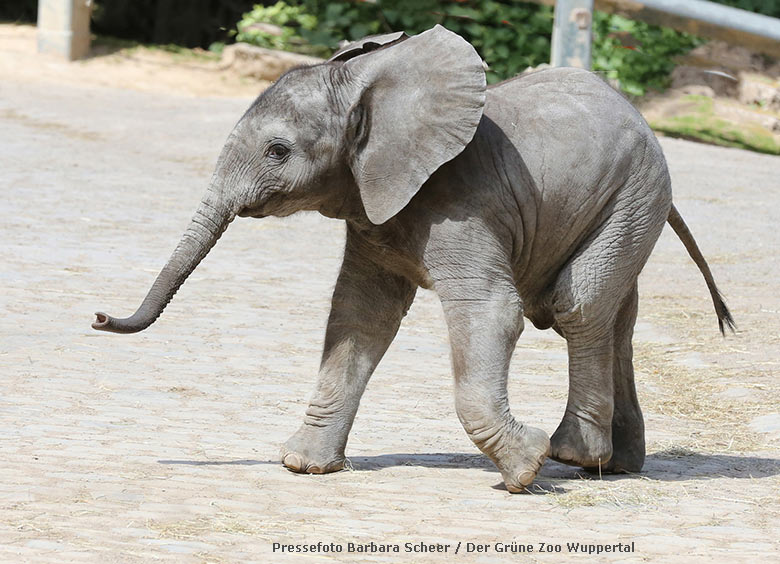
(356, 136)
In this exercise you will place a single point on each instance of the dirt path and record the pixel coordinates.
(163, 446)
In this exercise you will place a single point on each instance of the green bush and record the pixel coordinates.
(640, 56)
(510, 36)
(280, 26)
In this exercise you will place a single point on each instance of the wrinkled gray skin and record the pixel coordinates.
(541, 197)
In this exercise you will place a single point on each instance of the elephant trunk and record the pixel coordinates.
(209, 222)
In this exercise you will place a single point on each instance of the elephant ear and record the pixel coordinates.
(367, 44)
(419, 105)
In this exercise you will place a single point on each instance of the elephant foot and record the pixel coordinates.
(627, 457)
(620, 463)
(520, 462)
(628, 443)
(308, 452)
(579, 441)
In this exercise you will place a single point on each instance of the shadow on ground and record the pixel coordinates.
(663, 465)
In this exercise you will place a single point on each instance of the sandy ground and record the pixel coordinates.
(162, 446)
(141, 68)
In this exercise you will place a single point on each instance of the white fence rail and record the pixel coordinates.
(571, 41)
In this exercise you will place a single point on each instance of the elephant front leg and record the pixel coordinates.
(367, 308)
(484, 325)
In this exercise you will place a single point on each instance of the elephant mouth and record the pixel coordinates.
(251, 212)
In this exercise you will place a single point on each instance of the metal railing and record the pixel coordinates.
(571, 40)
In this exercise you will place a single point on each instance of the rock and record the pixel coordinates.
(698, 90)
(773, 70)
(262, 64)
(719, 81)
(758, 89)
(728, 70)
(263, 27)
(721, 55)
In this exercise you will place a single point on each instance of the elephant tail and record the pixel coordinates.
(682, 231)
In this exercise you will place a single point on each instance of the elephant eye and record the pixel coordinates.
(277, 151)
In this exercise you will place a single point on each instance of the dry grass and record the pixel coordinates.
(200, 527)
(671, 383)
(636, 492)
(691, 395)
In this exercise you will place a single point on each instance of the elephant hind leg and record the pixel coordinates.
(628, 427)
(588, 301)
(584, 436)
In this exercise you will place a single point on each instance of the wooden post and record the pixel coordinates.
(63, 27)
(571, 37)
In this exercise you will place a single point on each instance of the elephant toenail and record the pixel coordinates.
(292, 461)
(526, 478)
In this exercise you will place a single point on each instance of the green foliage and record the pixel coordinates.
(278, 27)
(341, 20)
(510, 36)
(640, 56)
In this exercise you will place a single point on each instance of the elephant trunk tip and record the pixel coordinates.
(101, 320)
(104, 322)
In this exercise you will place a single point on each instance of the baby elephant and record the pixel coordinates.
(540, 197)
